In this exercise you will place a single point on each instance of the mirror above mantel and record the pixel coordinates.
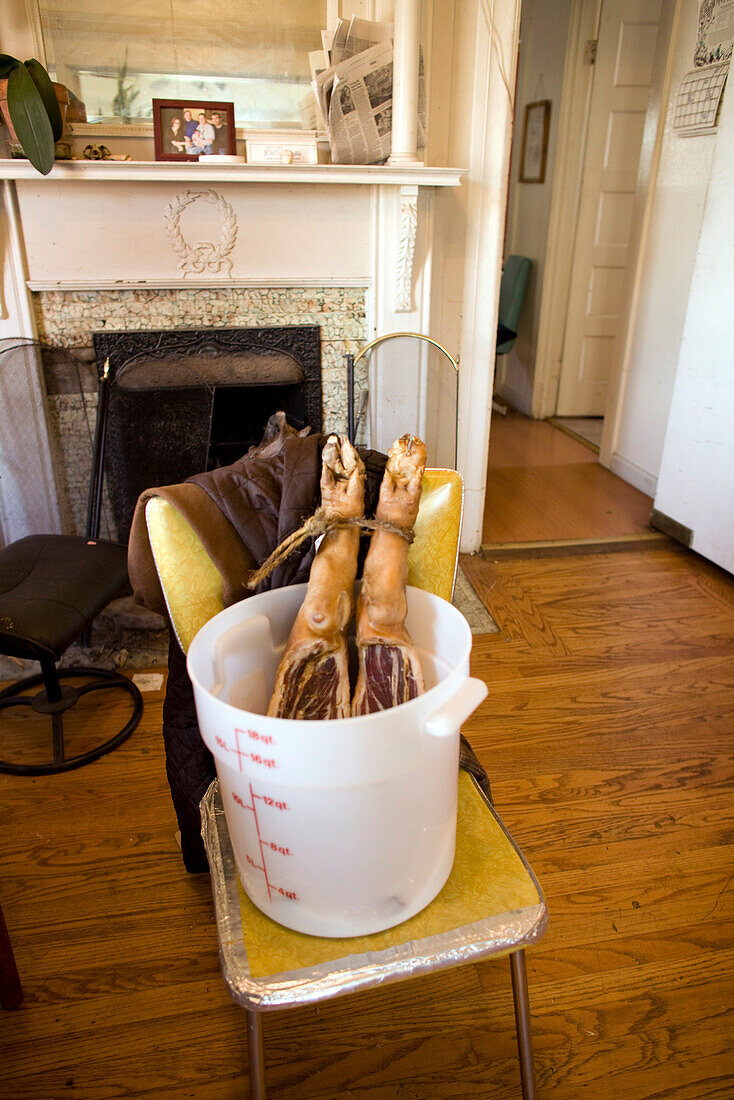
(118, 58)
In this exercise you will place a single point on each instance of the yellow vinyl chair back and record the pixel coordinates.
(192, 585)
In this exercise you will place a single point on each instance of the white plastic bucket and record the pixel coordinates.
(339, 828)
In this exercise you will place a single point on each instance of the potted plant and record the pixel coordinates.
(30, 108)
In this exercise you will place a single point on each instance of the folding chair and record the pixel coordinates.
(491, 904)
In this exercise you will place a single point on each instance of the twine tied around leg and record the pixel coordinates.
(321, 523)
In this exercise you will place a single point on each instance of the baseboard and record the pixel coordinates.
(634, 475)
(671, 527)
(514, 398)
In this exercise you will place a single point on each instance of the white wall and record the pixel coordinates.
(543, 34)
(696, 483)
(677, 213)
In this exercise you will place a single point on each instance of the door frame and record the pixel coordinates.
(567, 180)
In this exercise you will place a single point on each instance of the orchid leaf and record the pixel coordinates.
(7, 64)
(29, 117)
(46, 89)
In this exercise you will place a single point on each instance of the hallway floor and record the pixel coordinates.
(543, 485)
(586, 428)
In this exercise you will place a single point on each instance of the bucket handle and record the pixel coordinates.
(447, 719)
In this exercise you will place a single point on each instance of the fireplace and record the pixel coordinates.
(244, 362)
(187, 400)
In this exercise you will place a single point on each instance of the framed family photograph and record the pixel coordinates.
(187, 129)
(535, 142)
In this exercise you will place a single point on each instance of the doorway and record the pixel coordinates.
(598, 63)
(604, 246)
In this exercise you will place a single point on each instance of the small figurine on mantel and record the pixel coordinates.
(101, 152)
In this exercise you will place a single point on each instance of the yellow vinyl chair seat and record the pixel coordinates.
(491, 903)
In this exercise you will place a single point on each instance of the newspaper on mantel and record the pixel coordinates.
(355, 93)
(354, 36)
(356, 98)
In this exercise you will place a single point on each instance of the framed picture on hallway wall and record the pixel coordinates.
(535, 142)
(188, 129)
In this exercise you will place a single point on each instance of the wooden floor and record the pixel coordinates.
(542, 484)
(608, 736)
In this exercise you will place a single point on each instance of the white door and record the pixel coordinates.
(602, 261)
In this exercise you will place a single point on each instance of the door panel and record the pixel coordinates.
(625, 53)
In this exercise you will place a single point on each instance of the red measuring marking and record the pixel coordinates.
(274, 803)
(259, 840)
(255, 735)
(245, 754)
(263, 844)
(277, 848)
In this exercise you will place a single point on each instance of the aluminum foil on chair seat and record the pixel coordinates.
(490, 905)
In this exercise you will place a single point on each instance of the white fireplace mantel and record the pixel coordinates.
(313, 223)
(93, 226)
(210, 172)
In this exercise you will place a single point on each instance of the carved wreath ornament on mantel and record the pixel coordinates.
(198, 259)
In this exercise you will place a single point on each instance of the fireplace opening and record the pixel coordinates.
(239, 416)
(188, 400)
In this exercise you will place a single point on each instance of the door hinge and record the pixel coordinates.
(590, 51)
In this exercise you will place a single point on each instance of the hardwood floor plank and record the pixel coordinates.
(520, 443)
(567, 952)
(684, 781)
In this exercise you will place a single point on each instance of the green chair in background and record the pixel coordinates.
(514, 283)
(515, 274)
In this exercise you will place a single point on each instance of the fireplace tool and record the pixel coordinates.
(410, 383)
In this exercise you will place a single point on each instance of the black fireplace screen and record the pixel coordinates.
(184, 401)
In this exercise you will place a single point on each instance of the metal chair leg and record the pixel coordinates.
(255, 1051)
(522, 1023)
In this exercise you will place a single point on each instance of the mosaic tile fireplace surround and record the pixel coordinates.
(68, 318)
